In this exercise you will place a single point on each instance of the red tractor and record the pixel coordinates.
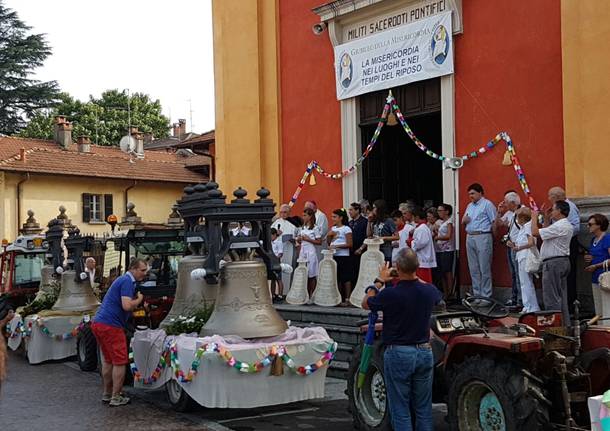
(499, 373)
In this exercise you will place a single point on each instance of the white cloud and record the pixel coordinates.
(153, 46)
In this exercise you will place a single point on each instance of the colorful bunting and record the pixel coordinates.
(509, 158)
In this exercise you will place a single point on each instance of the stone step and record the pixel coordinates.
(338, 370)
(344, 335)
(322, 315)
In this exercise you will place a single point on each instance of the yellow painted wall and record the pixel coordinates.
(247, 95)
(585, 32)
(45, 193)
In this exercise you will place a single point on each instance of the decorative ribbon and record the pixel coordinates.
(227, 356)
(391, 104)
(314, 164)
(59, 337)
(137, 376)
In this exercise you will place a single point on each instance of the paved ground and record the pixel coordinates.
(59, 397)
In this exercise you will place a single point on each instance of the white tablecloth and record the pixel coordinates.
(217, 385)
(42, 347)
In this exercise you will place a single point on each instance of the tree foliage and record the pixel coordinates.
(21, 97)
(105, 119)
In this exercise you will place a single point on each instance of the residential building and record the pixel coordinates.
(90, 181)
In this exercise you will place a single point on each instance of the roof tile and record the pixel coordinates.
(45, 156)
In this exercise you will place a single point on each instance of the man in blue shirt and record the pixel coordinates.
(108, 327)
(407, 361)
(478, 220)
(558, 194)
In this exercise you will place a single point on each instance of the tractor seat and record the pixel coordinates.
(549, 317)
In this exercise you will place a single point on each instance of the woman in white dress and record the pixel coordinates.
(523, 244)
(308, 237)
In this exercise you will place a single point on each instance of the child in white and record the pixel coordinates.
(523, 243)
(278, 249)
(308, 237)
(423, 245)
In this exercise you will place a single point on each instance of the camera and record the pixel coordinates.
(504, 239)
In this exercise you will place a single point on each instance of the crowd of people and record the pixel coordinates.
(519, 228)
(539, 244)
(430, 233)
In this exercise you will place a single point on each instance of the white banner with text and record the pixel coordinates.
(409, 53)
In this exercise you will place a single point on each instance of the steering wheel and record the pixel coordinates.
(487, 308)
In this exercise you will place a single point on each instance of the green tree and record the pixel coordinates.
(105, 119)
(20, 54)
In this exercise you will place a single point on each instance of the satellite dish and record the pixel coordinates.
(128, 144)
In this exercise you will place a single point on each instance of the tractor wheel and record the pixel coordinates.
(178, 398)
(368, 404)
(86, 349)
(495, 395)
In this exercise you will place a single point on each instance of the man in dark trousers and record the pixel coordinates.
(408, 361)
(109, 329)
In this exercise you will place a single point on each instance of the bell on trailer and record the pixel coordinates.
(190, 294)
(75, 296)
(370, 262)
(327, 292)
(298, 295)
(46, 281)
(243, 305)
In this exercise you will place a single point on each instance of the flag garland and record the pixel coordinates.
(392, 106)
(226, 355)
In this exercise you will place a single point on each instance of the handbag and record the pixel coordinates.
(604, 278)
(533, 263)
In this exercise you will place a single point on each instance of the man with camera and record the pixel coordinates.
(507, 218)
(109, 329)
(408, 362)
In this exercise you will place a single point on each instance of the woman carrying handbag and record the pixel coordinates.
(526, 251)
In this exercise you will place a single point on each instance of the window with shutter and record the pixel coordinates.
(86, 207)
(107, 206)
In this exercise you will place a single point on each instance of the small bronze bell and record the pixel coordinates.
(190, 294)
(243, 305)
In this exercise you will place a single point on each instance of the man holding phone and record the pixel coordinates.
(109, 329)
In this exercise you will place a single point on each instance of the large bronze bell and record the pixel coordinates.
(190, 294)
(75, 296)
(243, 305)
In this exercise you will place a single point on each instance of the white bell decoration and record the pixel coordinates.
(370, 262)
(198, 274)
(286, 269)
(298, 295)
(327, 292)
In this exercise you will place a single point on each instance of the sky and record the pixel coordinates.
(159, 47)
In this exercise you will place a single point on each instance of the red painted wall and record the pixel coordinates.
(311, 120)
(507, 78)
